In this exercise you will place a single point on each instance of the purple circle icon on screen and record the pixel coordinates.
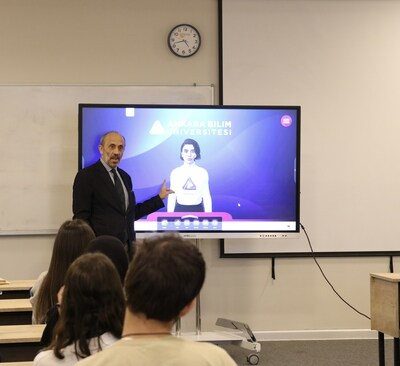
(286, 121)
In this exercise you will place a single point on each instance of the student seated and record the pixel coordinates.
(110, 246)
(114, 249)
(161, 285)
(91, 312)
(71, 241)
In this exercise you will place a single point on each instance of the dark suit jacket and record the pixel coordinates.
(95, 200)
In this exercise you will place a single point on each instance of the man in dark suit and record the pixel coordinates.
(103, 196)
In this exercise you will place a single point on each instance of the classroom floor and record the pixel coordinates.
(316, 353)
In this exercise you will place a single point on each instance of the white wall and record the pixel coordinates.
(104, 42)
(124, 41)
(338, 60)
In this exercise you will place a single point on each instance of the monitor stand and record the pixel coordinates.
(242, 335)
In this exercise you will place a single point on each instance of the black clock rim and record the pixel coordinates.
(182, 25)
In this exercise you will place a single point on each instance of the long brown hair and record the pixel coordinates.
(71, 241)
(92, 304)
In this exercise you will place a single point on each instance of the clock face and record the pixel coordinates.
(184, 40)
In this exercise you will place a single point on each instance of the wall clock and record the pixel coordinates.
(184, 40)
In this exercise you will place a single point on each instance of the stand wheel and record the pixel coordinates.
(253, 359)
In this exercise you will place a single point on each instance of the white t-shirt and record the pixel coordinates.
(190, 183)
(47, 358)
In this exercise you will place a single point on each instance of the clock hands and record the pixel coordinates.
(183, 40)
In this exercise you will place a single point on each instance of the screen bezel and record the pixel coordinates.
(221, 234)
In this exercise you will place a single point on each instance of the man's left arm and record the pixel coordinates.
(81, 198)
(153, 204)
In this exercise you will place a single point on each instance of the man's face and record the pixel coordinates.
(188, 154)
(112, 149)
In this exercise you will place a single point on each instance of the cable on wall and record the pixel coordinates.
(326, 279)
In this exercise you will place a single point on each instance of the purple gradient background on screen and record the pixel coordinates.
(251, 169)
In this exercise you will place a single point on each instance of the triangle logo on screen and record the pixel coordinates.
(189, 185)
(157, 128)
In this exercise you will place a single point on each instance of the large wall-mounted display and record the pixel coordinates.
(234, 169)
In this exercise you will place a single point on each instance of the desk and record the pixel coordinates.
(15, 311)
(20, 342)
(385, 311)
(16, 289)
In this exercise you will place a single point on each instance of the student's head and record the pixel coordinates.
(71, 241)
(112, 147)
(166, 275)
(92, 303)
(113, 248)
(190, 151)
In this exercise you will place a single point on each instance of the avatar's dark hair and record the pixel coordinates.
(195, 145)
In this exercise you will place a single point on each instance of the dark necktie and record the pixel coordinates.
(119, 188)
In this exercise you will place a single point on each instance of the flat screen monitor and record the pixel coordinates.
(235, 169)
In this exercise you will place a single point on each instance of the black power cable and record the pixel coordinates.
(326, 279)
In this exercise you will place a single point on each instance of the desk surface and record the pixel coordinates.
(391, 277)
(30, 333)
(17, 285)
(15, 305)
